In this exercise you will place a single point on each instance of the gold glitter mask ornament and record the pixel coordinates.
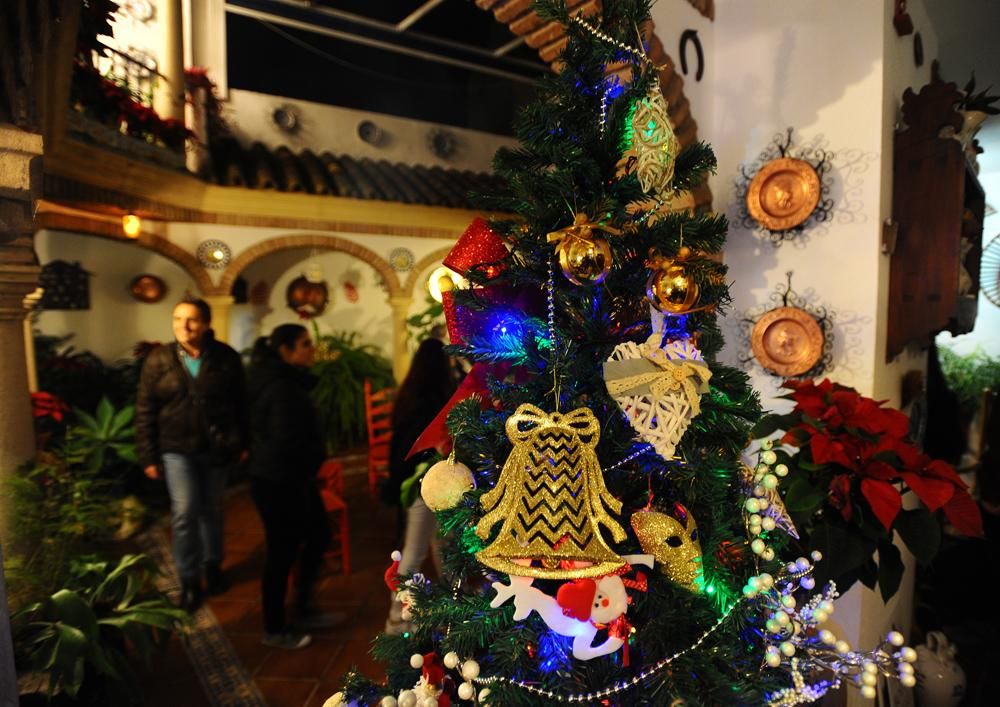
(552, 499)
(673, 543)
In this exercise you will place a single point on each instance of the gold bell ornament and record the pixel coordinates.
(671, 287)
(445, 483)
(551, 499)
(584, 256)
(672, 543)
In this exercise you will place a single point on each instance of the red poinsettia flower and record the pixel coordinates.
(48, 405)
(884, 500)
(811, 399)
(833, 450)
(840, 495)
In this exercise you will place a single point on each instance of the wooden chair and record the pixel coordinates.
(378, 415)
(331, 490)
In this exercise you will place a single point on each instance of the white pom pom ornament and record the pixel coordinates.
(445, 483)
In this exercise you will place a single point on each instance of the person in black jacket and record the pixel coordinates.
(190, 428)
(286, 452)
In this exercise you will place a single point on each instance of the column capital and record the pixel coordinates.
(16, 283)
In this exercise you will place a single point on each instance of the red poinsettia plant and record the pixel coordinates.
(850, 465)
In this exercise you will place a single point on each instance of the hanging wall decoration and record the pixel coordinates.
(66, 286)
(785, 189)
(789, 337)
(306, 297)
(147, 288)
(213, 254)
(401, 259)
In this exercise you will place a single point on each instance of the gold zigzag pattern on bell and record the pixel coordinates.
(552, 499)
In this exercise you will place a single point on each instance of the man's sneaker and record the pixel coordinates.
(287, 641)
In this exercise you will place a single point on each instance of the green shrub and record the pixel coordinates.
(969, 375)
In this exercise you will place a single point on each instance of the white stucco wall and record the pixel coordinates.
(115, 322)
(335, 129)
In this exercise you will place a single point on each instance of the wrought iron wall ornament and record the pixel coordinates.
(401, 259)
(691, 35)
(213, 254)
(786, 174)
(788, 336)
(65, 286)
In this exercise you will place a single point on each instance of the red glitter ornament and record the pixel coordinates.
(479, 248)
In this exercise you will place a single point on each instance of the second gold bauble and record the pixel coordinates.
(671, 288)
(445, 483)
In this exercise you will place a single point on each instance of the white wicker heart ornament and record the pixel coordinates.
(659, 388)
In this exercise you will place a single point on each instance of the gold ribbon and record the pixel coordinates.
(582, 230)
(689, 376)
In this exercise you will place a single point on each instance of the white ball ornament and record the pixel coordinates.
(757, 546)
(895, 638)
(788, 601)
(816, 555)
(820, 616)
(827, 637)
(869, 679)
(470, 670)
(445, 483)
(451, 660)
(335, 701)
(770, 482)
(429, 701)
(842, 647)
(483, 694)
(907, 680)
(773, 660)
(388, 701)
(781, 470)
(407, 698)
(766, 444)
(756, 530)
(764, 503)
(416, 661)
(466, 691)
(868, 692)
(769, 457)
(767, 555)
(907, 654)
(752, 505)
(904, 669)
(767, 523)
(787, 648)
(807, 583)
(755, 519)
(766, 580)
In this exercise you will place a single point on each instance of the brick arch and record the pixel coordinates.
(549, 38)
(421, 265)
(181, 257)
(274, 245)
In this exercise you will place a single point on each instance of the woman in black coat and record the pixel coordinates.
(286, 452)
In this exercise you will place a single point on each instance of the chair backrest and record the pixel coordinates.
(331, 476)
(378, 414)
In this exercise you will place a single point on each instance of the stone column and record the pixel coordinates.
(400, 311)
(20, 181)
(168, 99)
(222, 306)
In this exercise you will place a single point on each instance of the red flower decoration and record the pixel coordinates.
(48, 405)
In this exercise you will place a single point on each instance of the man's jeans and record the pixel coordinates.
(196, 509)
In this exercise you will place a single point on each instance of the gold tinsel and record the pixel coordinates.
(551, 498)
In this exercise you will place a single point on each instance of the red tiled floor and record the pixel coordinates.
(307, 677)
(286, 693)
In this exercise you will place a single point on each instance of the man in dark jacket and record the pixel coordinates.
(191, 429)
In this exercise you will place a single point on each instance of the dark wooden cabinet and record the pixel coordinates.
(937, 204)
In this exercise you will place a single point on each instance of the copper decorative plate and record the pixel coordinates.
(147, 288)
(787, 341)
(783, 194)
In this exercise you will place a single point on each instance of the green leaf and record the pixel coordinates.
(70, 609)
(122, 419)
(868, 573)
(921, 532)
(843, 551)
(105, 411)
(766, 426)
(802, 496)
(890, 569)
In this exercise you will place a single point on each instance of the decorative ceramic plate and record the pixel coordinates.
(147, 288)
(783, 194)
(787, 341)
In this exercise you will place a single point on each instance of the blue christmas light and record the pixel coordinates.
(554, 652)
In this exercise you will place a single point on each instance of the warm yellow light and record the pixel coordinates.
(218, 255)
(131, 225)
(443, 280)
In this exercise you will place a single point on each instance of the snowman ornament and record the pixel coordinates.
(580, 608)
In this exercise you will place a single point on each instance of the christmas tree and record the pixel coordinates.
(604, 540)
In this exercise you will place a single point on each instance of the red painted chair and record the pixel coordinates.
(331, 490)
(378, 416)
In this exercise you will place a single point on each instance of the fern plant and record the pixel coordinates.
(342, 367)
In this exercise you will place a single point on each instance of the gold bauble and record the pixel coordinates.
(674, 545)
(585, 261)
(671, 288)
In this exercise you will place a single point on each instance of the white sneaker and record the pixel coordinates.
(286, 641)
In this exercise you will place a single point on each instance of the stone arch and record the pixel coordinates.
(425, 262)
(274, 245)
(184, 259)
(549, 38)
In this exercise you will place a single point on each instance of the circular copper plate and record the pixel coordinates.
(783, 194)
(147, 288)
(787, 341)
